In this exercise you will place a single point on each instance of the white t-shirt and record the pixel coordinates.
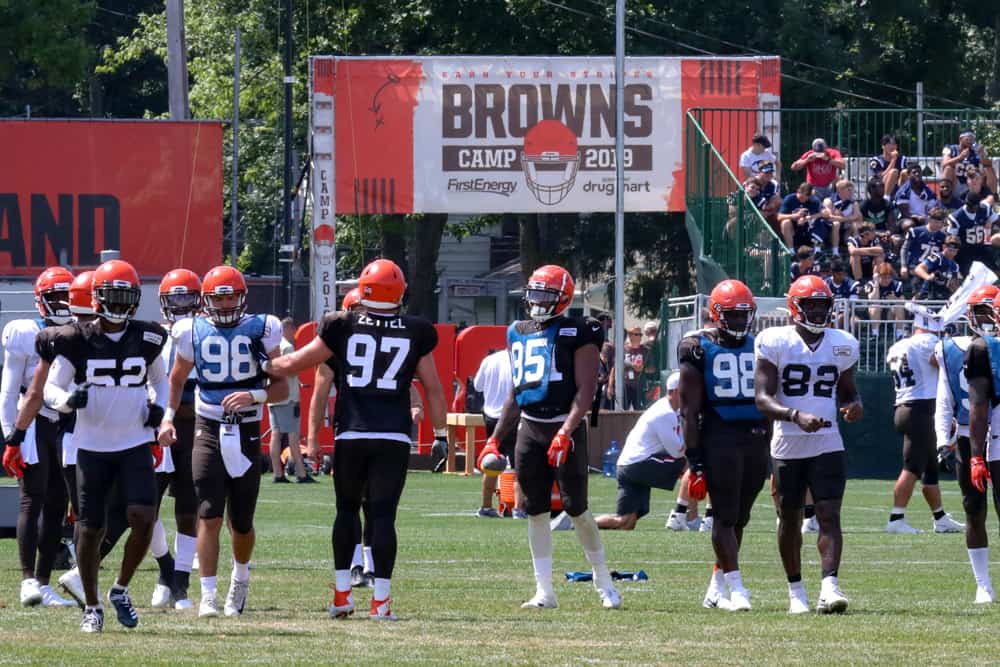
(494, 381)
(807, 381)
(20, 362)
(657, 432)
(909, 361)
(285, 347)
(750, 159)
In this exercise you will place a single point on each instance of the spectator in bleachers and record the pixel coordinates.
(803, 222)
(752, 191)
(884, 287)
(866, 253)
(914, 199)
(889, 166)
(973, 226)
(770, 193)
(759, 152)
(841, 207)
(946, 196)
(805, 262)
(920, 241)
(939, 272)
(879, 209)
(960, 157)
(821, 164)
(842, 285)
(975, 181)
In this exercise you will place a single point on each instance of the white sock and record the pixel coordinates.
(717, 584)
(540, 543)
(342, 580)
(980, 559)
(797, 589)
(356, 558)
(829, 583)
(589, 537)
(369, 560)
(208, 586)
(184, 550)
(158, 543)
(382, 588)
(898, 510)
(734, 580)
(241, 571)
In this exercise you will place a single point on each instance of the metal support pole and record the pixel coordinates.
(177, 74)
(286, 191)
(234, 199)
(920, 119)
(619, 323)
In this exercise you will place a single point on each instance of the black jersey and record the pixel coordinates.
(374, 360)
(542, 363)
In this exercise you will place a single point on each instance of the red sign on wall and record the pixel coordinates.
(151, 189)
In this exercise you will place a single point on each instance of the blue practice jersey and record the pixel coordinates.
(954, 358)
(728, 374)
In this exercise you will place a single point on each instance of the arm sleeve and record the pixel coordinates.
(157, 381)
(10, 387)
(181, 333)
(56, 391)
(690, 351)
(944, 407)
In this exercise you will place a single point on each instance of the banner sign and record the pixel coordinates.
(151, 189)
(505, 134)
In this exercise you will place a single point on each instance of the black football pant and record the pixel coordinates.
(42, 506)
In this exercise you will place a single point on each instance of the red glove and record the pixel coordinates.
(977, 466)
(697, 486)
(560, 448)
(13, 462)
(492, 447)
(157, 454)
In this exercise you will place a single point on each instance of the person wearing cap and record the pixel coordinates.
(939, 271)
(754, 157)
(956, 159)
(889, 165)
(769, 194)
(635, 363)
(915, 377)
(821, 164)
(652, 458)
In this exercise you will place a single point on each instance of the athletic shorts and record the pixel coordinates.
(507, 444)
(825, 475)
(213, 486)
(97, 474)
(370, 472)
(736, 466)
(38, 477)
(182, 478)
(915, 421)
(285, 417)
(636, 480)
(536, 476)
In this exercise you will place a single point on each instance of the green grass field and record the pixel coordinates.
(460, 580)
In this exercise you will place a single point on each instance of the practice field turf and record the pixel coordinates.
(460, 580)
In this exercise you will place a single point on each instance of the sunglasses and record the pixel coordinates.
(953, 246)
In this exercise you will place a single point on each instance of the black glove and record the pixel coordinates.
(16, 438)
(78, 399)
(155, 416)
(439, 453)
(695, 461)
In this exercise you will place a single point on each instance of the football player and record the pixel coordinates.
(180, 298)
(377, 353)
(953, 407)
(111, 361)
(33, 453)
(554, 362)
(225, 348)
(725, 435)
(915, 378)
(805, 372)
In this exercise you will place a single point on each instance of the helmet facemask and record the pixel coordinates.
(54, 305)
(815, 313)
(178, 305)
(116, 302)
(737, 321)
(541, 303)
(225, 316)
(983, 319)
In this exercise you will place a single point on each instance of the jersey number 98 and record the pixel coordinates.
(734, 374)
(227, 360)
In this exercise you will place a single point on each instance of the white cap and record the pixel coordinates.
(674, 381)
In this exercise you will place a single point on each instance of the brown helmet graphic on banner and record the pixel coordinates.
(550, 161)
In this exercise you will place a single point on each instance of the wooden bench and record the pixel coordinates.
(470, 421)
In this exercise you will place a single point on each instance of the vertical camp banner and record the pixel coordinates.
(69, 189)
(504, 134)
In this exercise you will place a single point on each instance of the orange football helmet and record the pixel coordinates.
(810, 302)
(180, 294)
(224, 281)
(382, 285)
(351, 300)
(117, 290)
(548, 293)
(81, 294)
(52, 294)
(732, 308)
(981, 310)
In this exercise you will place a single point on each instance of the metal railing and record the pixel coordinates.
(733, 233)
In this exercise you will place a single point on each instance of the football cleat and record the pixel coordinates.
(209, 607)
(677, 522)
(487, 513)
(694, 525)
(610, 598)
(343, 604)
(561, 522)
(122, 602)
(93, 621)
(52, 599)
(946, 524)
(31, 593)
(519, 514)
(900, 527)
(357, 576)
(714, 599)
(810, 525)
(831, 601)
(370, 579)
(184, 604)
(236, 599)
(73, 585)
(380, 610)
(541, 600)
(798, 603)
(706, 524)
(162, 598)
(984, 595)
(739, 600)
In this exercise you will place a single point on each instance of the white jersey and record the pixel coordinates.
(909, 361)
(657, 433)
(19, 363)
(807, 382)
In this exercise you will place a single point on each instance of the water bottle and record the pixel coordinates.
(610, 461)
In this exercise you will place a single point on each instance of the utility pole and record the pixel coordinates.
(619, 320)
(177, 74)
(286, 210)
(234, 196)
